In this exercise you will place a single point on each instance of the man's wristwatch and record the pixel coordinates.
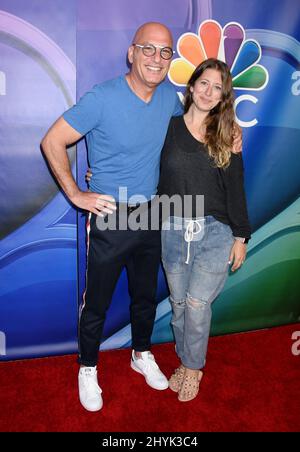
(242, 239)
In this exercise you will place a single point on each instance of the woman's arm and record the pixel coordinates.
(237, 209)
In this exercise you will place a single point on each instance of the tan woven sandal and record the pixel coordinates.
(190, 387)
(176, 379)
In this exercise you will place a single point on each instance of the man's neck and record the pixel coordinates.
(141, 90)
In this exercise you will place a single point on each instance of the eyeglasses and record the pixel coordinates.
(149, 50)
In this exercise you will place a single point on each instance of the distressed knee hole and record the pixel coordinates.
(195, 302)
(178, 303)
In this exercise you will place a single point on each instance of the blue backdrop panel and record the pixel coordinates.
(39, 44)
(38, 254)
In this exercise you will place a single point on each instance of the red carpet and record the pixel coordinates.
(251, 383)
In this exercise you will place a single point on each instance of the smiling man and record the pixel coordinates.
(125, 121)
(150, 56)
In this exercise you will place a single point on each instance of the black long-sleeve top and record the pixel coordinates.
(187, 169)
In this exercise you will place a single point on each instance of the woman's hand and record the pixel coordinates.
(88, 175)
(237, 255)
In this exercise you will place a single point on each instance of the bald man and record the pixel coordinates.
(125, 121)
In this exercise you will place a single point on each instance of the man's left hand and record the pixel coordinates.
(237, 140)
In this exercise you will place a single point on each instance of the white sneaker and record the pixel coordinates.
(147, 366)
(89, 390)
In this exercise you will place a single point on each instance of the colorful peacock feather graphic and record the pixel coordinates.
(227, 44)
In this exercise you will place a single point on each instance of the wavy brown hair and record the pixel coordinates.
(220, 123)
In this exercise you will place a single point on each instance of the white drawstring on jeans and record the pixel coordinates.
(189, 234)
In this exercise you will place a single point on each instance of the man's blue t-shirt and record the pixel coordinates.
(125, 136)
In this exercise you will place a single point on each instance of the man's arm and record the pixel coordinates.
(54, 146)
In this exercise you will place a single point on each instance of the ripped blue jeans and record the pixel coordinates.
(195, 255)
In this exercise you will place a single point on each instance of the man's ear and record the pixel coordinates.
(130, 54)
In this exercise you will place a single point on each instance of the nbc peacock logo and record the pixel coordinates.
(227, 44)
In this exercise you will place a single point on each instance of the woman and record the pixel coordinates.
(197, 248)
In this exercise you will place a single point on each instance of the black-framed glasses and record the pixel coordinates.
(149, 50)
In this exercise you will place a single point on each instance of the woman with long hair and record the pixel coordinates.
(199, 245)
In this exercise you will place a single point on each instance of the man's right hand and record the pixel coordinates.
(94, 202)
